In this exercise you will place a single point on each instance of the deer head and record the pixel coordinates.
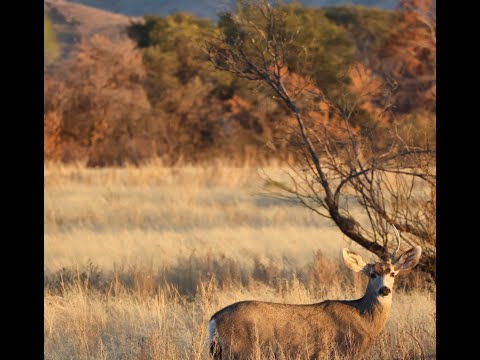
(382, 274)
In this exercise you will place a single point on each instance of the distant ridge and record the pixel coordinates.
(72, 22)
(207, 8)
(77, 19)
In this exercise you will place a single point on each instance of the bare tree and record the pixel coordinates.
(344, 167)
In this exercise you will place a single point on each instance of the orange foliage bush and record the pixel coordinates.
(99, 97)
(410, 57)
(51, 136)
(97, 110)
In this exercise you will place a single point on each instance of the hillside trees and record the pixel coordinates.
(174, 57)
(203, 109)
(398, 45)
(411, 57)
(346, 164)
(96, 107)
(171, 51)
(112, 102)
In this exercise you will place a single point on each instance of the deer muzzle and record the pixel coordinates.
(384, 291)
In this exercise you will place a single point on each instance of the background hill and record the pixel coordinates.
(206, 8)
(73, 21)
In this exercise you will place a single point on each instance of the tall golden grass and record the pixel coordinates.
(138, 259)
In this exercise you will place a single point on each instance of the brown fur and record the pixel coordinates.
(317, 328)
(383, 268)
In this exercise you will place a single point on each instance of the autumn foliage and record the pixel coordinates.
(156, 95)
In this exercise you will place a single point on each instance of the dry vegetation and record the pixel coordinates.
(126, 92)
(138, 259)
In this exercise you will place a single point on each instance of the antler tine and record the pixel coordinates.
(397, 235)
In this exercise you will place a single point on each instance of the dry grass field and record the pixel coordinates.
(138, 259)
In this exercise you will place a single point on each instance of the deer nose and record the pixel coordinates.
(384, 291)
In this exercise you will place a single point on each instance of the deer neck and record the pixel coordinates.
(374, 309)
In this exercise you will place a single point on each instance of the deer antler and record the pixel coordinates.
(397, 236)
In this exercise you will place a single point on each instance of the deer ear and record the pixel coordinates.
(353, 261)
(408, 259)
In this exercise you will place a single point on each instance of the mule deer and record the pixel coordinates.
(347, 327)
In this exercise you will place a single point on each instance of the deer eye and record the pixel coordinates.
(392, 274)
(373, 276)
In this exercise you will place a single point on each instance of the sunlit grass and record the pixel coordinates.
(138, 259)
